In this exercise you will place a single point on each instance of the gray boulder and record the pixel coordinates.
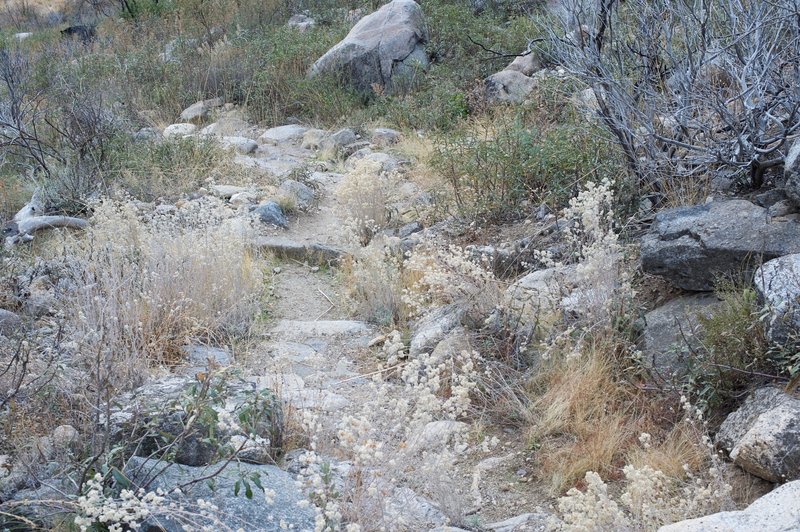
(336, 142)
(301, 23)
(694, 246)
(763, 435)
(302, 194)
(433, 328)
(288, 134)
(234, 511)
(777, 511)
(157, 414)
(383, 49)
(508, 86)
(383, 136)
(179, 130)
(240, 144)
(791, 172)
(10, 323)
(778, 286)
(313, 138)
(200, 111)
(672, 333)
(270, 213)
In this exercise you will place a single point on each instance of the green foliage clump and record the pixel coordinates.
(493, 166)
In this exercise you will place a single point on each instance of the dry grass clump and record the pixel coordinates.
(581, 419)
(148, 287)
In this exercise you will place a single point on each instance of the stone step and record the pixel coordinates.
(320, 329)
(313, 253)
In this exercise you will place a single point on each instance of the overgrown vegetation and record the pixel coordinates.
(558, 359)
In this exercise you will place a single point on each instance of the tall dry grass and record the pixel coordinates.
(149, 287)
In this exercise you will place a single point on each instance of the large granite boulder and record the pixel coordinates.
(778, 286)
(791, 171)
(777, 511)
(195, 423)
(232, 508)
(693, 247)
(763, 435)
(383, 49)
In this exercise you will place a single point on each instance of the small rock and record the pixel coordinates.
(533, 522)
(227, 191)
(436, 435)
(242, 145)
(302, 195)
(315, 253)
(276, 270)
(243, 198)
(147, 134)
(199, 111)
(301, 23)
(179, 130)
(336, 142)
(10, 323)
(383, 137)
(508, 86)
(271, 213)
(763, 435)
(200, 356)
(313, 139)
(409, 229)
(291, 134)
(433, 327)
(65, 436)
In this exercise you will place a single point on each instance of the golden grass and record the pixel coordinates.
(682, 446)
(582, 422)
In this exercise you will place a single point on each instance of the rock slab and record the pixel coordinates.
(693, 247)
(763, 435)
(777, 511)
(777, 284)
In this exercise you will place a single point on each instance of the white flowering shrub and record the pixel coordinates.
(149, 285)
(381, 441)
(439, 275)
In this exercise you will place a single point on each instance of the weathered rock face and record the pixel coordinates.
(156, 414)
(10, 323)
(763, 435)
(237, 511)
(777, 511)
(433, 328)
(508, 86)
(693, 246)
(791, 172)
(778, 286)
(671, 332)
(270, 213)
(383, 48)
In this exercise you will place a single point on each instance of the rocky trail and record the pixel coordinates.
(319, 362)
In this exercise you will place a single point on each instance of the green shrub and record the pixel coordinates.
(495, 163)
